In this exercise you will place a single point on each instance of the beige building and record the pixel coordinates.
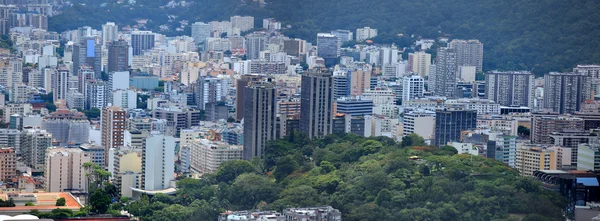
(127, 170)
(419, 62)
(8, 163)
(64, 169)
(206, 156)
(530, 159)
(359, 82)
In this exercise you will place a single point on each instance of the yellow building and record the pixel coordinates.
(531, 159)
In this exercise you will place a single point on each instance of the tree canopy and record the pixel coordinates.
(365, 178)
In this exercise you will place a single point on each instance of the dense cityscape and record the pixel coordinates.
(237, 121)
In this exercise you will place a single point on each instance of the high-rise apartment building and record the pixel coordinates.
(209, 90)
(419, 63)
(68, 127)
(34, 143)
(328, 48)
(565, 92)
(200, 32)
(468, 53)
(260, 117)
(64, 169)
(240, 88)
(365, 33)
(158, 162)
(96, 94)
(542, 125)
(114, 121)
(445, 73)
(450, 122)
(242, 23)
(255, 43)
(110, 32)
(60, 83)
(341, 85)
(118, 56)
(316, 107)
(179, 118)
(412, 87)
(141, 41)
(343, 35)
(85, 74)
(360, 80)
(511, 88)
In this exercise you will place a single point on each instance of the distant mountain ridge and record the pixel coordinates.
(535, 35)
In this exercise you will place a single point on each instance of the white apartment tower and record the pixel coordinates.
(365, 33)
(158, 159)
(412, 87)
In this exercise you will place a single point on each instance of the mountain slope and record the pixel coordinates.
(536, 35)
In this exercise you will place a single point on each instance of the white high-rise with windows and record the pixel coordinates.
(412, 87)
(242, 23)
(158, 161)
(365, 33)
(110, 32)
(200, 32)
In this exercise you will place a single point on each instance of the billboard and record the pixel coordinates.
(91, 44)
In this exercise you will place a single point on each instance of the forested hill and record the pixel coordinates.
(367, 179)
(537, 35)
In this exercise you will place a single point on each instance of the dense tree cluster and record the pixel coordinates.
(540, 36)
(366, 178)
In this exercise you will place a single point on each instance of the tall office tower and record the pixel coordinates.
(260, 117)
(110, 32)
(158, 162)
(412, 87)
(118, 56)
(95, 95)
(419, 63)
(360, 80)
(209, 90)
(86, 73)
(34, 143)
(89, 53)
(67, 127)
(114, 120)
(564, 92)
(60, 83)
(341, 85)
(343, 35)
(328, 48)
(256, 42)
(64, 169)
(510, 88)
(242, 23)
(450, 122)
(240, 89)
(593, 79)
(365, 33)
(445, 73)
(316, 107)
(141, 41)
(468, 53)
(200, 32)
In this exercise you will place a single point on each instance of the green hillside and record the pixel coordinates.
(536, 35)
(366, 179)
